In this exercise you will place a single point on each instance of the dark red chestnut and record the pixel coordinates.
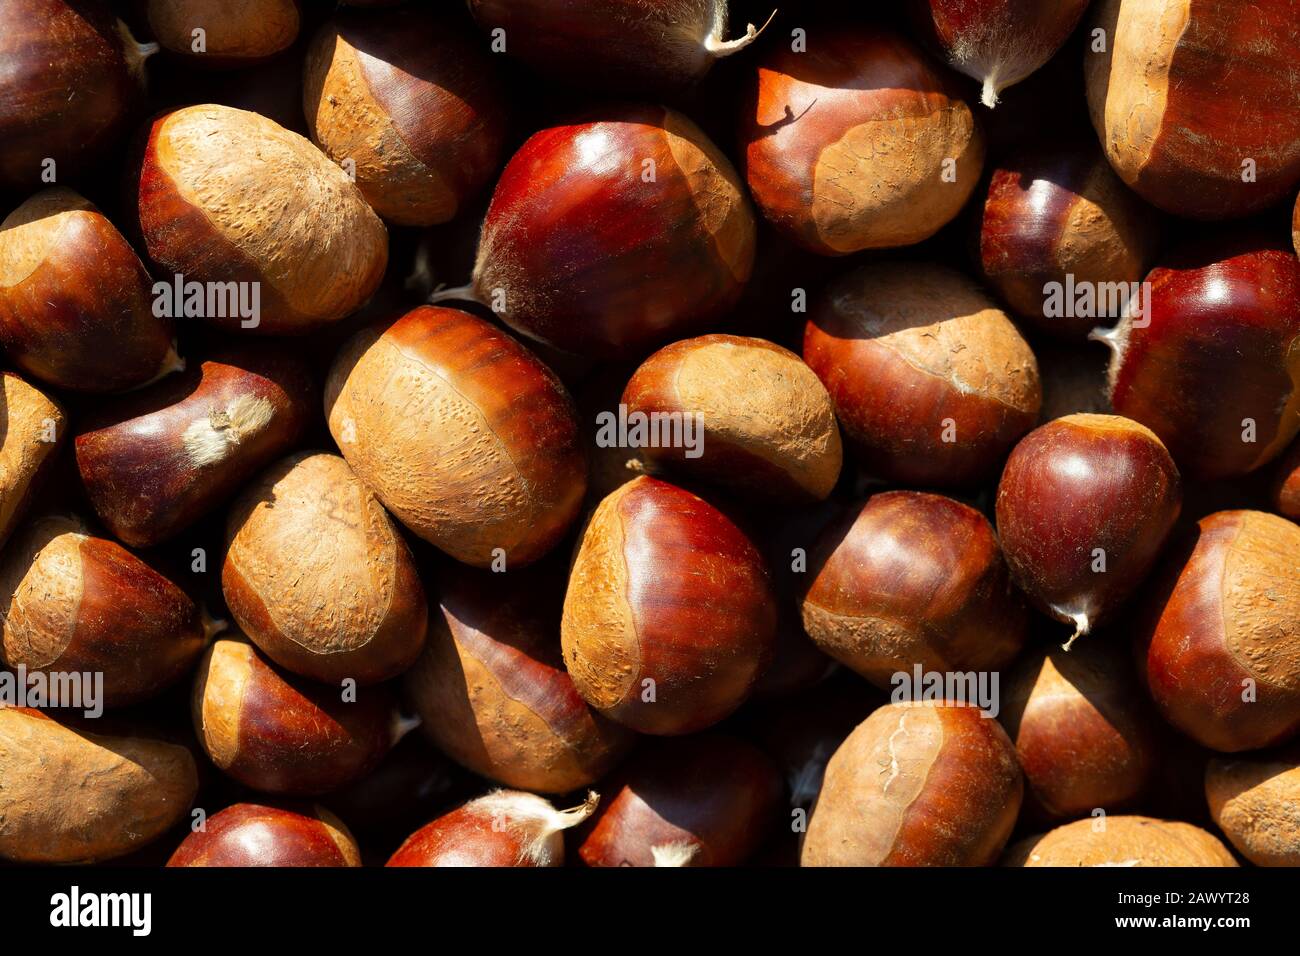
(223, 34)
(997, 42)
(412, 104)
(929, 378)
(911, 579)
(259, 834)
(1286, 485)
(707, 800)
(190, 442)
(33, 433)
(1182, 95)
(670, 614)
(1084, 506)
(858, 143)
(611, 236)
(1214, 370)
(1220, 642)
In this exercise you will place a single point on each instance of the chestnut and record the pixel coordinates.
(859, 142)
(910, 578)
(281, 734)
(1062, 240)
(657, 45)
(610, 236)
(190, 442)
(504, 828)
(1084, 506)
(318, 576)
(76, 309)
(905, 767)
(1181, 96)
(261, 834)
(1295, 226)
(1286, 485)
(1253, 799)
(1213, 369)
(929, 378)
(1083, 734)
(412, 104)
(73, 74)
(753, 415)
(73, 602)
(707, 800)
(1220, 639)
(70, 796)
(670, 614)
(227, 196)
(997, 42)
(1121, 841)
(492, 691)
(31, 433)
(463, 434)
(233, 34)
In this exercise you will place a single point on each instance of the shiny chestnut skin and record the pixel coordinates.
(910, 578)
(414, 103)
(1220, 634)
(76, 304)
(931, 381)
(609, 236)
(706, 800)
(1221, 351)
(905, 766)
(846, 143)
(34, 431)
(191, 441)
(1056, 212)
(670, 614)
(1286, 485)
(282, 734)
(479, 450)
(50, 47)
(75, 602)
(1084, 506)
(264, 834)
(235, 34)
(1182, 97)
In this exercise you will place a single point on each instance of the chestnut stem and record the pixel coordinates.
(1081, 627)
(720, 47)
(134, 52)
(403, 725)
(989, 96)
(674, 854)
(212, 626)
(460, 293)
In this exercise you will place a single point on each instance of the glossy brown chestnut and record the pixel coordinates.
(1220, 642)
(492, 692)
(190, 442)
(911, 579)
(1214, 370)
(707, 800)
(858, 143)
(49, 48)
(73, 602)
(670, 614)
(226, 195)
(647, 46)
(997, 42)
(1181, 98)
(233, 34)
(463, 434)
(1121, 841)
(1084, 736)
(32, 429)
(414, 104)
(283, 734)
(259, 834)
(1286, 485)
(1084, 506)
(318, 576)
(1253, 799)
(75, 797)
(929, 378)
(759, 419)
(1062, 240)
(909, 764)
(611, 236)
(76, 309)
(505, 828)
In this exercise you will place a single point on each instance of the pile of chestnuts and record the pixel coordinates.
(677, 433)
